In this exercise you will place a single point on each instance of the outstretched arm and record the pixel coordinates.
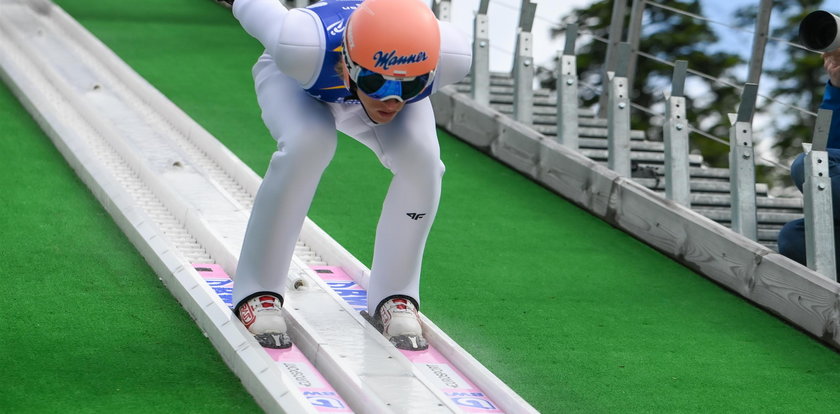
(262, 19)
(293, 38)
(455, 56)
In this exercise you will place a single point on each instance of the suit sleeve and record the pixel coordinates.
(262, 19)
(293, 38)
(455, 56)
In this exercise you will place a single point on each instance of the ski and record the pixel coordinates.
(430, 362)
(310, 383)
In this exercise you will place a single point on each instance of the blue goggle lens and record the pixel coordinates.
(377, 87)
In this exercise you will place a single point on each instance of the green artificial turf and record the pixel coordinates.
(87, 325)
(573, 314)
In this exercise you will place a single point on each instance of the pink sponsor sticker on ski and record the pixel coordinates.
(434, 365)
(310, 382)
(451, 381)
(320, 394)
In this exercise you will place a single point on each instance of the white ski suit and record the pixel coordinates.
(288, 77)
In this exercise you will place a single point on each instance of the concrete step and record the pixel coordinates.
(501, 89)
(539, 100)
(639, 156)
(787, 205)
(601, 143)
(699, 186)
(551, 119)
(724, 215)
(588, 132)
(782, 205)
(546, 110)
(708, 173)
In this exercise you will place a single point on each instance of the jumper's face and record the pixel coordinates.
(381, 112)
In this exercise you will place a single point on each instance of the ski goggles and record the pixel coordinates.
(384, 87)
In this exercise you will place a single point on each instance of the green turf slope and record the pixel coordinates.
(87, 325)
(573, 314)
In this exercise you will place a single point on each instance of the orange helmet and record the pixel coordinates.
(395, 38)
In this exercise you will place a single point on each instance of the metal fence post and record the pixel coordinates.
(567, 91)
(819, 216)
(762, 31)
(523, 66)
(677, 177)
(480, 70)
(616, 29)
(742, 166)
(618, 116)
(634, 33)
(443, 10)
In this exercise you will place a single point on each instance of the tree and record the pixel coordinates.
(798, 78)
(668, 36)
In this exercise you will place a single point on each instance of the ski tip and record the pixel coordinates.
(274, 340)
(410, 342)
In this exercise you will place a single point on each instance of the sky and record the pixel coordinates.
(504, 18)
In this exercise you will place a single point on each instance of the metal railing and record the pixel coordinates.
(620, 63)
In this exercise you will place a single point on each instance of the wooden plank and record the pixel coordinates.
(477, 125)
(517, 146)
(576, 177)
(753, 271)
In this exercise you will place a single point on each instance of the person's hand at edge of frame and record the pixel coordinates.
(831, 62)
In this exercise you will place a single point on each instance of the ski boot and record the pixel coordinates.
(396, 318)
(262, 315)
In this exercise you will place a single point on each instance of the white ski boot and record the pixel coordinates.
(396, 317)
(262, 315)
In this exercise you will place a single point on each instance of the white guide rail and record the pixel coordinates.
(183, 198)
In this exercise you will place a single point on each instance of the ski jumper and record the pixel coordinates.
(792, 235)
(303, 102)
